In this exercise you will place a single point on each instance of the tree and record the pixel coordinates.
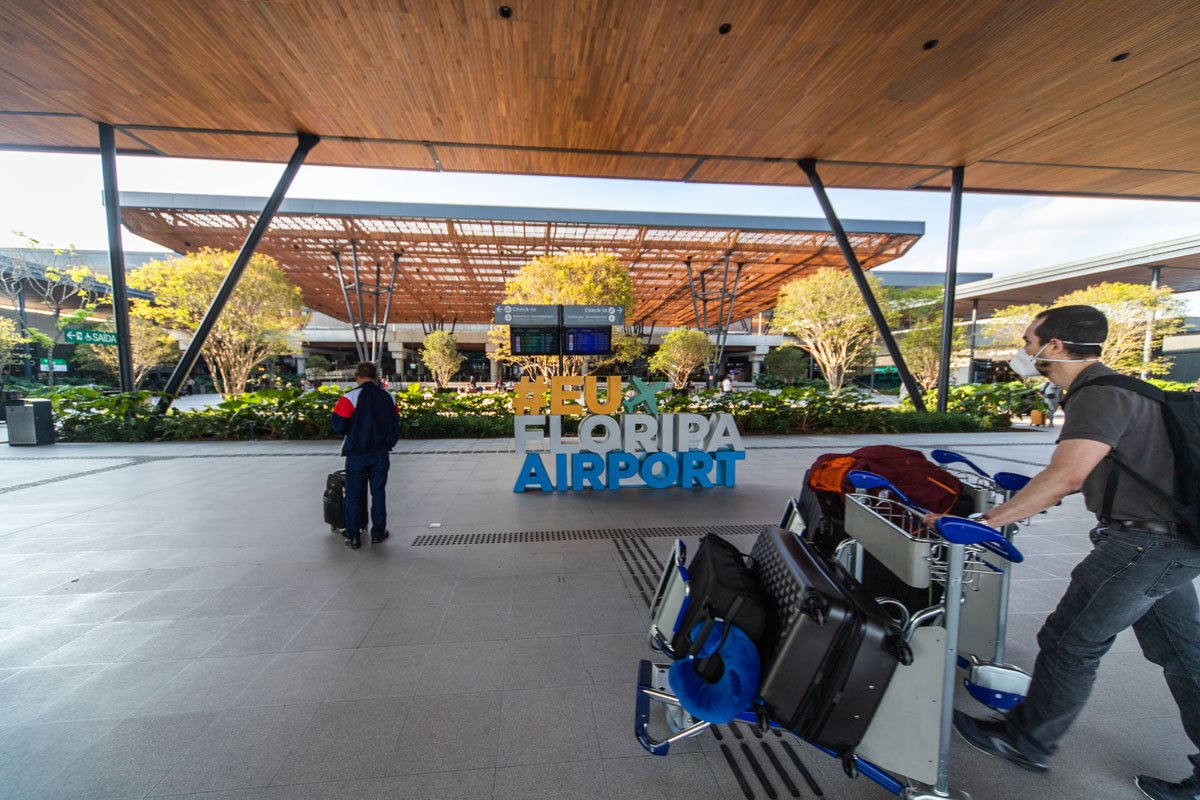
(681, 353)
(918, 312)
(149, 344)
(53, 275)
(827, 314)
(1007, 326)
(574, 278)
(1132, 309)
(262, 318)
(788, 363)
(10, 339)
(441, 356)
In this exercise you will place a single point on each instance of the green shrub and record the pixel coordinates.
(86, 414)
(993, 404)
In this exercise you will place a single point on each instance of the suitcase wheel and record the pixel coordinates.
(817, 608)
(849, 764)
(899, 647)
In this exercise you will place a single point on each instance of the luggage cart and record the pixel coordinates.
(956, 554)
(954, 550)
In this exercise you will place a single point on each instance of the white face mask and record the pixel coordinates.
(1025, 365)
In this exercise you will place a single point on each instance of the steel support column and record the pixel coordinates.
(974, 333)
(948, 288)
(1148, 343)
(26, 348)
(116, 256)
(307, 142)
(914, 391)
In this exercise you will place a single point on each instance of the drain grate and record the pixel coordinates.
(526, 537)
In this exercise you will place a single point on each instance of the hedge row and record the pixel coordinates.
(84, 414)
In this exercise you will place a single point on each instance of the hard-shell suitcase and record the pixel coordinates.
(718, 577)
(830, 650)
(334, 501)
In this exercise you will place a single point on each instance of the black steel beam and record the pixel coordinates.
(26, 349)
(948, 288)
(305, 143)
(809, 166)
(116, 256)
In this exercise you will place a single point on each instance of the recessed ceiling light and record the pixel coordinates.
(725, 28)
(1119, 57)
(506, 11)
(932, 43)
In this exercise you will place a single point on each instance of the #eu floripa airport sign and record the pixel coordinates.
(657, 450)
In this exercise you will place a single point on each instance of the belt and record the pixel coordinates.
(1148, 525)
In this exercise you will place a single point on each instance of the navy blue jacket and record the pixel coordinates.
(369, 419)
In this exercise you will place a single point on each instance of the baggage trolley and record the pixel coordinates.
(956, 548)
(956, 554)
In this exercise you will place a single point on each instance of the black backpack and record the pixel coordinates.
(1181, 413)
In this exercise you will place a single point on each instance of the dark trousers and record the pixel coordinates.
(361, 470)
(1133, 578)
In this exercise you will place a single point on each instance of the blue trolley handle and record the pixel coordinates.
(957, 530)
(861, 479)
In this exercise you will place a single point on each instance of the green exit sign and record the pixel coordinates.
(82, 336)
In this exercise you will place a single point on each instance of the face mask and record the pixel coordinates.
(1025, 365)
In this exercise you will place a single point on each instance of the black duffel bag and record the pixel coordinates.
(722, 586)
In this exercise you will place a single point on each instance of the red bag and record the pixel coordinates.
(927, 484)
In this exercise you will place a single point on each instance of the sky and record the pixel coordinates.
(57, 200)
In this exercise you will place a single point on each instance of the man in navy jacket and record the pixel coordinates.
(369, 420)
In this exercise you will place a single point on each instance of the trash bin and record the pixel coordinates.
(5, 403)
(31, 423)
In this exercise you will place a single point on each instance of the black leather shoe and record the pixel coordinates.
(380, 537)
(1158, 789)
(991, 736)
(353, 542)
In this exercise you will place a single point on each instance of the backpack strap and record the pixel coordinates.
(1110, 486)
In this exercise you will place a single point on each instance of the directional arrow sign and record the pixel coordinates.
(84, 336)
(593, 315)
(513, 314)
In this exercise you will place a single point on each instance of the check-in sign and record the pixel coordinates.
(513, 314)
(593, 315)
(83, 336)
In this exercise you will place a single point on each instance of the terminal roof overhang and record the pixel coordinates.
(455, 259)
(1178, 260)
(1092, 97)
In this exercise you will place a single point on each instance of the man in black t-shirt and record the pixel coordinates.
(1140, 572)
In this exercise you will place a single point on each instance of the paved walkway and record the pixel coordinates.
(175, 619)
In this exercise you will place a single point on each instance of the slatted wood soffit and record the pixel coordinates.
(457, 268)
(1073, 96)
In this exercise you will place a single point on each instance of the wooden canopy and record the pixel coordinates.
(1068, 97)
(455, 259)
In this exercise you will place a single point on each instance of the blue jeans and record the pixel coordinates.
(359, 471)
(1133, 578)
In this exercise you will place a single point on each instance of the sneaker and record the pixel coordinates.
(991, 736)
(1158, 789)
(380, 537)
(353, 542)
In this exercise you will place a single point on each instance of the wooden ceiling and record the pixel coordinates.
(1071, 96)
(455, 259)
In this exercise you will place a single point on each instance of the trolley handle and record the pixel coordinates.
(861, 479)
(957, 530)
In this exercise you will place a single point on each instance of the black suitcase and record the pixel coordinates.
(718, 577)
(334, 502)
(830, 650)
(824, 515)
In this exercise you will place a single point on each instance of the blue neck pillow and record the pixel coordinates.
(720, 694)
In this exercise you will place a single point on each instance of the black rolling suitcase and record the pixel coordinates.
(334, 502)
(830, 649)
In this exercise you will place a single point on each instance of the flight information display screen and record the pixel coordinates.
(531, 341)
(587, 341)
